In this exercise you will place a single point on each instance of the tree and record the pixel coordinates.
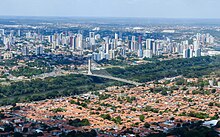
(79, 123)
(211, 104)
(213, 90)
(218, 125)
(106, 116)
(164, 93)
(117, 120)
(142, 117)
(146, 125)
(17, 134)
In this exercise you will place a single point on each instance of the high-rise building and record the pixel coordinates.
(73, 43)
(7, 43)
(92, 38)
(112, 54)
(25, 51)
(116, 36)
(197, 49)
(106, 44)
(154, 48)
(149, 44)
(191, 52)
(133, 43)
(28, 35)
(186, 52)
(79, 42)
(107, 48)
(39, 50)
(140, 50)
(2, 32)
(198, 52)
(96, 56)
(148, 53)
(19, 33)
(116, 40)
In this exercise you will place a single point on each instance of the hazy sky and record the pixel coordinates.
(113, 8)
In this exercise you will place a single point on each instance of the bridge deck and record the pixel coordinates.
(117, 79)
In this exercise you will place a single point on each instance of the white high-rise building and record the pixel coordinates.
(39, 50)
(198, 52)
(79, 42)
(191, 52)
(186, 52)
(148, 53)
(112, 54)
(116, 40)
(28, 35)
(149, 44)
(116, 36)
(92, 38)
(154, 48)
(25, 51)
(2, 32)
(19, 33)
(197, 49)
(133, 43)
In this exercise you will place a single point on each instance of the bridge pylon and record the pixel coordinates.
(89, 66)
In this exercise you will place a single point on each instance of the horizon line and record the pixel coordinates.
(54, 16)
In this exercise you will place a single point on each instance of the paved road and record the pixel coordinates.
(117, 79)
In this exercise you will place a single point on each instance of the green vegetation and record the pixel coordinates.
(149, 108)
(196, 114)
(189, 130)
(38, 89)
(79, 123)
(201, 91)
(106, 116)
(180, 81)
(29, 72)
(56, 110)
(194, 130)
(195, 67)
(49, 88)
(104, 96)
(146, 125)
(117, 120)
(9, 63)
(215, 117)
(130, 99)
(118, 62)
(142, 117)
(82, 103)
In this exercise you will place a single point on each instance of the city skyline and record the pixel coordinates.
(111, 68)
(113, 8)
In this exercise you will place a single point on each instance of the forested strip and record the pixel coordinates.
(195, 67)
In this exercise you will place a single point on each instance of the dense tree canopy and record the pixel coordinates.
(194, 67)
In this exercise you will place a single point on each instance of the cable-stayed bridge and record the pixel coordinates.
(104, 74)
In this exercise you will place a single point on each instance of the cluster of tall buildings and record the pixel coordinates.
(205, 39)
(192, 50)
(108, 47)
